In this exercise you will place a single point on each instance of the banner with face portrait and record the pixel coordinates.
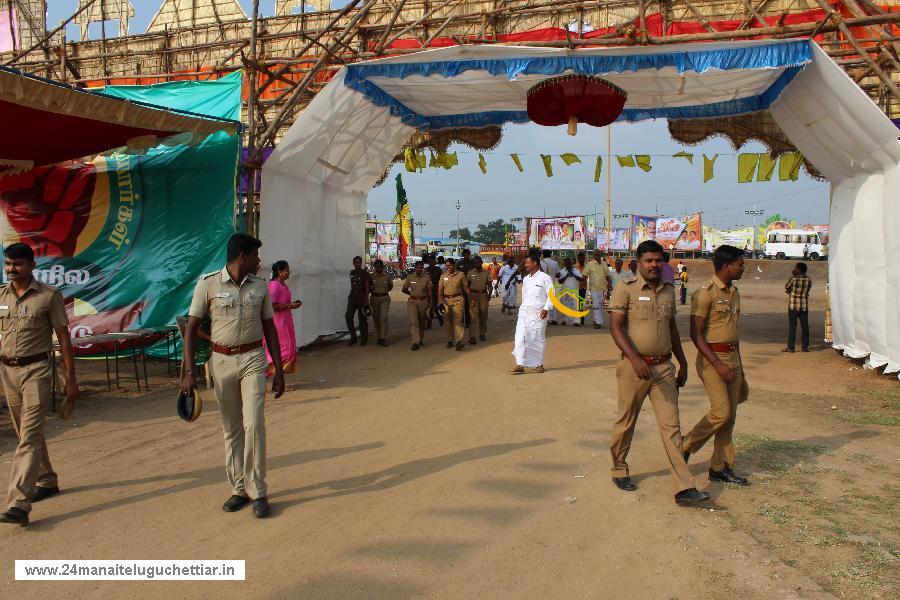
(557, 233)
(621, 240)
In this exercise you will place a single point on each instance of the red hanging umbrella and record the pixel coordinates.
(573, 98)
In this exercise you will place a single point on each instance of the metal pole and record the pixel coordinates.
(250, 170)
(457, 228)
(609, 186)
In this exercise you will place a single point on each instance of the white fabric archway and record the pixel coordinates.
(315, 183)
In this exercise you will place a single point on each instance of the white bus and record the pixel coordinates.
(790, 243)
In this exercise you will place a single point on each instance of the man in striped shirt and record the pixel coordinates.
(797, 289)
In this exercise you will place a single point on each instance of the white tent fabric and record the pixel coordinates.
(315, 183)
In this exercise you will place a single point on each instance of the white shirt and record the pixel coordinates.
(569, 281)
(506, 273)
(549, 266)
(536, 291)
(617, 277)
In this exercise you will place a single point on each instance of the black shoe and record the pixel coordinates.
(726, 475)
(554, 323)
(473, 341)
(421, 343)
(16, 516)
(806, 350)
(450, 344)
(382, 343)
(691, 496)
(597, 326)
(261, 508)
(686, 455)
(482, 338)
(414, 347)
(235, 503)
(42, 493)
(351, 343)
(624, 483)
(460, 346)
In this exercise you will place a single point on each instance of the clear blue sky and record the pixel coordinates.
(672, 187)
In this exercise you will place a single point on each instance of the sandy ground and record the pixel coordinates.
(395, 474)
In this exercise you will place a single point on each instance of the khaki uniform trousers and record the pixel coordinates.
(28, 397)
(478, 309)
(240, 387)
(381, 306)
(453, 319)
(415, 311)
(663, 393)
(723, 401)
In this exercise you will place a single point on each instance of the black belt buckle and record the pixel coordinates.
(232, 350)
(12, 362)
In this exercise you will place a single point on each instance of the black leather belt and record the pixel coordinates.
(24, 361)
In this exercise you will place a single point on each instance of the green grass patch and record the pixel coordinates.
(774, 455)
(883, 408)
(863, 459)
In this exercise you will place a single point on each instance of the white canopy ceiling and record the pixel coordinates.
(315, 183)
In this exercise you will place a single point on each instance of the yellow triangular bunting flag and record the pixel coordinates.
(515, 159)
(789, 166)
(409, 160)
(766, 167)
(547, 166)
(625, 161)
(683, 154)
(747, 167)
(482, 164)
(708, 165)
(643, 162)
(598, 168)
(569, 158)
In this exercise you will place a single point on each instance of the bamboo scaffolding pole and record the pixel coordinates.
(845, 30)
(387, 30)
(269, 134)
(51, 34)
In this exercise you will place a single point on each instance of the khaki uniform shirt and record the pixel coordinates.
(648, 312)
(453, 284)
(381, 284)
(597, 272)
(418, 286)
(27, 322)
(236, 311)
(721, 306)
(479, 281)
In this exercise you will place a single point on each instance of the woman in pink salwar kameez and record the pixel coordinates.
(284, 321)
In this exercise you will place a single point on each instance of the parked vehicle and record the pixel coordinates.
(795, 243)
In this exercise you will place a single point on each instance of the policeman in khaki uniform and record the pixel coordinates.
(30, 312)
(241, 314)
(357, 301)
(715, 313)
(643, 327)
(418, 287)
(480, 285)
(381, 301)
(451, 290)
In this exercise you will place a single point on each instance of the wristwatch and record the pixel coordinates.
(189, 372)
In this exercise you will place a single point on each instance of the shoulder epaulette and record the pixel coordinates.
(208, 275)
(257, 277)
(630, 279)
(709, 284)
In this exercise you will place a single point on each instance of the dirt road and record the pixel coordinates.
(435, 474)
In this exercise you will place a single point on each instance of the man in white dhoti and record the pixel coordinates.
(569, 279)
(509, 285)
(531, 328)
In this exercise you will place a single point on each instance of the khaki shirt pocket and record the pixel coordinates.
(640, 309)
(36, 319)
(223, 309)
(6, 318)
(250, 307)
(666, 308)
